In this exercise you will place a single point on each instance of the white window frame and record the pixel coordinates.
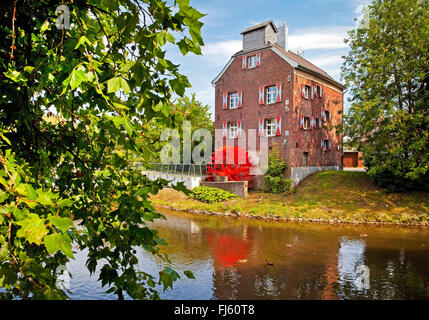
(307, 120)
(233, 130)
(307, 92)
(251, 62)
(271, 94)
(325, 145)
(270, 127)
(318, 91)
(233, 100)
(327, 115)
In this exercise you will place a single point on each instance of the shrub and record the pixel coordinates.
(277, 185)
(211, 195)
(274, 180)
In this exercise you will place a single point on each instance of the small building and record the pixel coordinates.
(281, 95)
(352, 158)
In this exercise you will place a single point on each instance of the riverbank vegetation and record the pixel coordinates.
(329, 196)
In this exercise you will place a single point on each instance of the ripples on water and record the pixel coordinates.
(244, 259)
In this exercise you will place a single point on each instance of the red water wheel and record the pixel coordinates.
(232, 162)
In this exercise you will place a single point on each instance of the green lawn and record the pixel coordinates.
(325, 196)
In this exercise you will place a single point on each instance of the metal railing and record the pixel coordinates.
(182, 169)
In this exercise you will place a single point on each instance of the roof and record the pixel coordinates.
(303, 62)
(293, 59)
(261, 25)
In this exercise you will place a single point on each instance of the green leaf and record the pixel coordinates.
(83, 40)
(18, 214)
(3, 196)
(177, 86)
(44, 26)
(28, 69)
(167, 277)
(56, 241)
(189, 274)
(33, 229)
(117, 83)
(127, 66)
(44, 198)
(26, 190)
(180, 186)
(15, 76)
(77, 76)
(61, 223)
(63, 203)
(3, 248)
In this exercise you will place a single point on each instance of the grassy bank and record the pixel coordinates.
(327, 196)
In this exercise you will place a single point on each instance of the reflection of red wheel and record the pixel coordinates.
(232, 162)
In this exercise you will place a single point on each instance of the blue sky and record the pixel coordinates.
(316, 26)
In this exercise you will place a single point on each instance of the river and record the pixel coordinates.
(235, 258)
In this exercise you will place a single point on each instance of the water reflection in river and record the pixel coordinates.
(246, 259)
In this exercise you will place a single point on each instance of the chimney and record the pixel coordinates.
(282, 36)
(258, 36)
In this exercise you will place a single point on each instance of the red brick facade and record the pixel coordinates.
(274, 70)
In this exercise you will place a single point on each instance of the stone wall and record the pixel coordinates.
(298, 174)
(239, 188)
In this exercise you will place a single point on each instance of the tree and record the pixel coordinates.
(387, 70)
(69, 180)
(274, 177)
(185, 109)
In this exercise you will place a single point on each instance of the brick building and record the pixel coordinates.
(283, 96)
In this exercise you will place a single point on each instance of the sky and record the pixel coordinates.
(318, 27)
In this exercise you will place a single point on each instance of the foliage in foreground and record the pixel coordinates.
(211, 195)
(101, 78)
(274, 179)
(387, 71)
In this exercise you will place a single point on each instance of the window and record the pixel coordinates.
(325, 145)
(270, 125)
(307, 123)
(319, 91)
(271, 94)
(251, 62)
(317, 123)
(233, 130)
(305, 159)
(307, 92)
(327, 115)
(233, 100)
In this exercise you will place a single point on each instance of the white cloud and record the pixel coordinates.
(323, 61)
(319, 38)
(219, 53)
